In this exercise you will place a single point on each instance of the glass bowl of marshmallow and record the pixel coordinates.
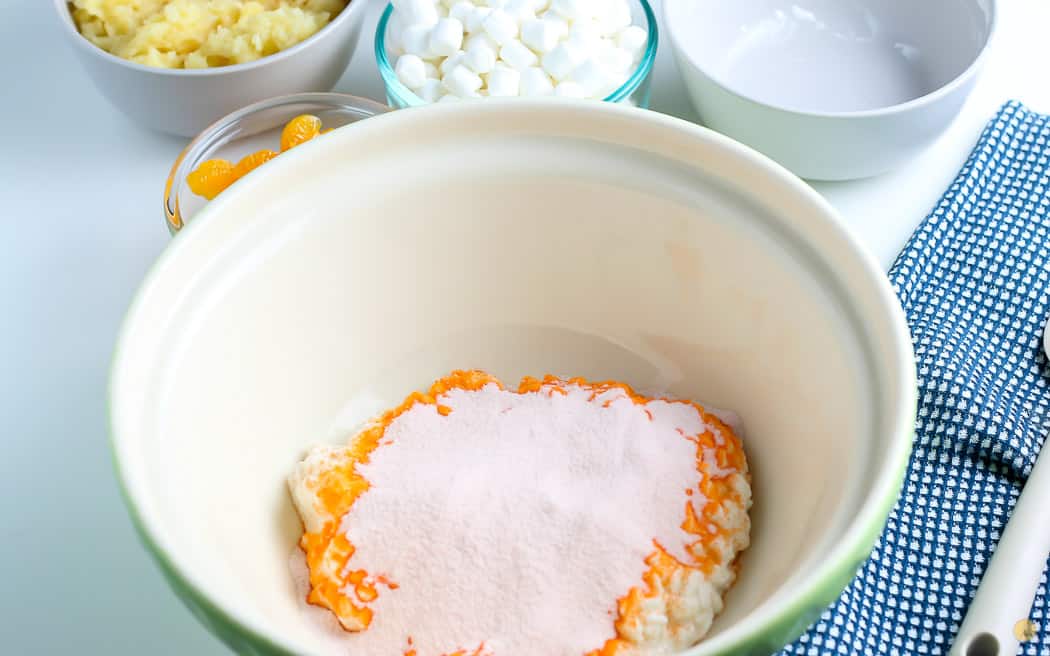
(455, 50)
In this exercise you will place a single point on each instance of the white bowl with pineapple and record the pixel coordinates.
(177, 66)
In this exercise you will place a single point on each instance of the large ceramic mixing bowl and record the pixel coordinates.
(521, 237)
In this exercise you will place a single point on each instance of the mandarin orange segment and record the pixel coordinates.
(215, 175)
(251, 162)
(210, 178)
(299, 130)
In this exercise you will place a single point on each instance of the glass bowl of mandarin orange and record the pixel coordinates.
(241, 142)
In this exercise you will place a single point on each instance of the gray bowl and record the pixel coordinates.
(185, 101)
(832, 90)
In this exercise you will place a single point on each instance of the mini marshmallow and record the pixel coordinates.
(453, 60)
(585, 34)
(517, 55)
(411, 71)
(504, 82)
(535, 82)
(431, 70)
(415, 39)
(431, 90)
(574, 10)
(592, 77)
(461, 81)
(501, 26)
(563, 60)
(543, 34)
(480, 37)
(561, 24)
(461, 11)
(449, 99)
(521, 10)
(614, 16)
(476, 19)
(417, 12)
(393, 35)
(570, 90)
(446, 37)
(633, 40)
(480, 57)
(615, 60)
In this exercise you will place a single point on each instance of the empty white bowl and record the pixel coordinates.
(833, 90)
(185, 101)
(521, 237)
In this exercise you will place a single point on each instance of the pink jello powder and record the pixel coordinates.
(513, 523)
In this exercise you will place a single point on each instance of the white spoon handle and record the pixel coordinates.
(1005, 594)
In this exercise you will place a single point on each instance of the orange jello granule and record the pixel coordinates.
(215, 175)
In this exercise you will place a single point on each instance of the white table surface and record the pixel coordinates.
(80, 222)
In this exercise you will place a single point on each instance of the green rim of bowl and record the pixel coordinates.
(401, 96)
(782, 625)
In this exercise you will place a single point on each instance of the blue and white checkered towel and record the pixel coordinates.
(974, 281)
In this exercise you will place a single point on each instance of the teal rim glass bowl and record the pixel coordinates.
(635, 91)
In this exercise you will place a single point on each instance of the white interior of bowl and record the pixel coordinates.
(602, 242)
(832, 55)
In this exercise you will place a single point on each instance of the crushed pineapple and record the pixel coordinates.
(200, 33)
